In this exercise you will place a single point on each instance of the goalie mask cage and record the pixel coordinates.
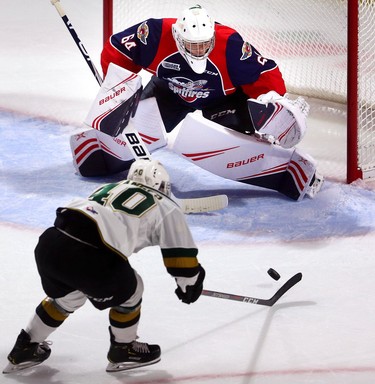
(324, 48)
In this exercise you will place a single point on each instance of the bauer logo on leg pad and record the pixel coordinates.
(116, 101)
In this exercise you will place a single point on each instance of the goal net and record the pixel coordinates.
(309, 41)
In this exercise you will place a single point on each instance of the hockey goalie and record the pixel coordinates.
(256, 159)
(225, 103)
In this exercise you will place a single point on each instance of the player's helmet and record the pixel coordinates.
(150, 173)
(194, 33)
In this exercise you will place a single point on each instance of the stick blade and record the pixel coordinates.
(204, 204)
(284, 288)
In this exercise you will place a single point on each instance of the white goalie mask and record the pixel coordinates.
(150, 173)
(194, 33)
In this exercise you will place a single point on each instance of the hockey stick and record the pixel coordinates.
(81, 47)
(202, 204)
(133, 138)
(254, 300)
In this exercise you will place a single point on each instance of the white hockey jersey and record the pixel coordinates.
(131, 216)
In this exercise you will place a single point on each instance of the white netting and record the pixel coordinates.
(306, 38)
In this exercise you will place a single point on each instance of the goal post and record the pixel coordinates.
(324, 48)
(361, 90)
(352, 167)
(107, 19)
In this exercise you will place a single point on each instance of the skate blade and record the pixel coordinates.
(12, 368)
(117, 367)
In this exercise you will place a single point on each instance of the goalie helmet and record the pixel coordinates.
(194, 33)
(150, 173)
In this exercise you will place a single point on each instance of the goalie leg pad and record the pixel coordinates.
(116, 101)
(97, 154)
(240, 157)
(149, 123)
(299, 176)
(230, 154)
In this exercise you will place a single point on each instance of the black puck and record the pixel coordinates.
(275, 275)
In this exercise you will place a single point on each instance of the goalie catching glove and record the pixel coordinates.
(278, 119)
(190, 288)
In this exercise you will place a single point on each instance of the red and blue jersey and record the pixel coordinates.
(232, 64)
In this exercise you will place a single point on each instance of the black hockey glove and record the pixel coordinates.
(190, 288)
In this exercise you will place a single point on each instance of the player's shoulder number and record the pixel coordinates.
(129, 199)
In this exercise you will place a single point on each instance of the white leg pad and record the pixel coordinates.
(91, 142)
(241, 157)
(149, 124)
(227, 153)
(302, 168)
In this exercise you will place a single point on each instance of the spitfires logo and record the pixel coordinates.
(143, 32)
(188, 90)
(246, 51)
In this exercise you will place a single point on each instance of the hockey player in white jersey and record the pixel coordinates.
(85, 256)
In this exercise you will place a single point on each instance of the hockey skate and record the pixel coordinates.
(26, 354)
(124, 356)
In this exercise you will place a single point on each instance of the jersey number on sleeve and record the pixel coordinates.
(128, 43)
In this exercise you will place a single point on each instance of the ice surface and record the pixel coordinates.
(320, 332)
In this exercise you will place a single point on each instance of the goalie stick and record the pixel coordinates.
(254, 300)
(133, 139)
(197, 205)
(73, 33)
(202, 204)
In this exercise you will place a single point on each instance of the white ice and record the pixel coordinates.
(321, 331)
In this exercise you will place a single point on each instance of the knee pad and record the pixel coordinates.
(71, 302)
(135, 300)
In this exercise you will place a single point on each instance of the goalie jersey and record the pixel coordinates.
(232, 64)
(127, 217)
